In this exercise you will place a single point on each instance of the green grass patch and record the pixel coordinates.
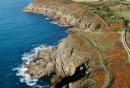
(126, 55)
(88, 4)
(125, 14)
(125, 2)
(118, 29)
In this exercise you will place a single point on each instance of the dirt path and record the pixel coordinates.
(110, 76)
(123, 39)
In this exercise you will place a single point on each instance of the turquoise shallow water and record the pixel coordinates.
(21, 32)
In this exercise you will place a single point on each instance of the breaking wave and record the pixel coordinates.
(27, 57)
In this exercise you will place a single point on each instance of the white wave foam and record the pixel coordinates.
(27, 57)
(47, 18)
(25, 77)
(56, 24)
(38, 86)
(67, 32)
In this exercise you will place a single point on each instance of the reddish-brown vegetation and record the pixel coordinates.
(117, 59)
(100, 78)
(114, 36)
(122, 73)
(118, 51)
(116, 26)
(98, 72)
(115, 54)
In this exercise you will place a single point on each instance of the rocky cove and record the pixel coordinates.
(80, 60)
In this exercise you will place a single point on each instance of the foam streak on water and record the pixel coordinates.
(27, 57)
(56, 23)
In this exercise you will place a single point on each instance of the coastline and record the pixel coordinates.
(73, 24)
(75, 62)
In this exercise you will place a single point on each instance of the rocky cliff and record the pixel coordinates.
(72, 15)
(71, 60)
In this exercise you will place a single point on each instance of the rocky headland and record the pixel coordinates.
(93, 56)
(75, 16)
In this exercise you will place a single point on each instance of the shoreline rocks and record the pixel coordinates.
(43, 65)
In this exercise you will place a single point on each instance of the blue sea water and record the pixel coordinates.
(21, 32)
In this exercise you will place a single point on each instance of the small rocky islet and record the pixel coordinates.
(92, 56)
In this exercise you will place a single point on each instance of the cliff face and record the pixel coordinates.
(69, 61)
(73, 15)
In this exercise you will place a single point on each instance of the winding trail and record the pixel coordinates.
(123, 38)
(110, 76)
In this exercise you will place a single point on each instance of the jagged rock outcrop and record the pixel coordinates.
(63, 60)
(44, 64)
(73, 15)
(67, 62)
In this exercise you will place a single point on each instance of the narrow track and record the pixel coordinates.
(110, 76)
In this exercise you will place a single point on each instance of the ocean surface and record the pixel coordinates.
(20, 35)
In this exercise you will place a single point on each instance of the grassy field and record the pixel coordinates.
(125, 14)
(102, 10)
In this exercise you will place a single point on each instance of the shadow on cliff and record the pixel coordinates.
(46, 81)
(79, 73)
